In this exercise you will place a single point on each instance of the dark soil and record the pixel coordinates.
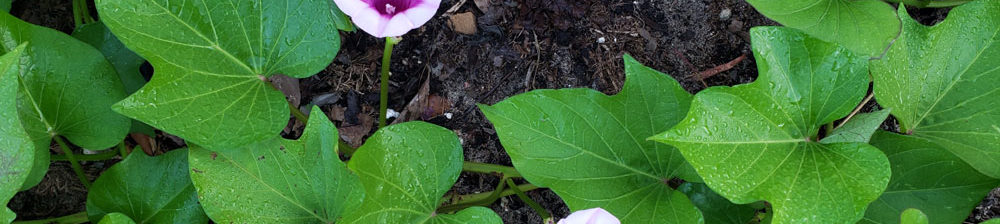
(521, 45)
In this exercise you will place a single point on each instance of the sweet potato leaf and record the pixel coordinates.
(16, 149)
(715, 208)
(116, 218)
(278, 181)
(5, 5)
(929, 178)
(940, 82)
(125, 61)
(863, 26)
(406, 169)
(757, 141)
(859, 129)
(212, 59)
(66, 89)
(343, 22)
(147, 189)
(590, 148)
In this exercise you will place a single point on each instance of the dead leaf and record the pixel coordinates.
(336, 113)
(483, 5)
(424, 106)
(354, 135)
(289, 86)
(464, 23)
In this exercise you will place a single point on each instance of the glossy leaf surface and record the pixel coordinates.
(278, 181)
(125, 61)
(406, 169)
(16, 149)
(929, 178)
(591, 148)
(863, 26)
(212, 58)
(859, 129)
(148, 190)
(940, 82)
(715, 208)
(116, 218)
(67, 89)
(913, 216)
(756, 141)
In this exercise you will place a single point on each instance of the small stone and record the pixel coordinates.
(390, 113)
(601, 40)
(725, 14)
(497, 61)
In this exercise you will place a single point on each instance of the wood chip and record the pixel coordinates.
(464, 23)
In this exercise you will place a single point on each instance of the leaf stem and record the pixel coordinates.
(487, 168)
(856, 110)
(123, 150)
(527, 200)
(485, 198)
(383, 103)
(298, 113)
(344, 147)
(77, 218)
(106, 155)
(72, 160)
(77, 14)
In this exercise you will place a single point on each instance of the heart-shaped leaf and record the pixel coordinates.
(406, 169)
(292, 181)
(212, 59)
(67, 89)
(5, 5)
(343, 22)
(758, 141)
(125, 61)
(940, 82)
(147, 189)
(16, 149)
(590, 148)
(715, 208)
(859, 129)
(864, 26)
(929, 178)
(116, 218)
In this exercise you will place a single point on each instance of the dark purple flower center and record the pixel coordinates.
(391, 7)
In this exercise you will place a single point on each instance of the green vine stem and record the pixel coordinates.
(81, 13)
(487, 168)
(123, 149)
(527, 200)
(106, 155)
(72, 160)
(77, 218)
(483, 199)
(383, 103)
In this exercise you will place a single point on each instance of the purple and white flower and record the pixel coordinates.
(590, 216)
(389, 18)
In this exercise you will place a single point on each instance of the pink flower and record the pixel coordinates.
(389, 18)
(590, 216)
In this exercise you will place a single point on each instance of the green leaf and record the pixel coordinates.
(5, 5)
(863, 26)
(211, 59)
(858, 129)
(406, 169)
(116, 218)
(292, 181)
(715, 208)
(148, 189)
(342, 20)
(67, 89)
(929, 178)
(940, 82)
(913, 216)
(590, 148)
(756, 141)
(125, 61)
(992, 221)
(16, 149)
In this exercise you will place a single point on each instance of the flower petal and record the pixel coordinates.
(590, 216)
(422, 12)
(370, 21)
(352, 7)
(398, 26)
